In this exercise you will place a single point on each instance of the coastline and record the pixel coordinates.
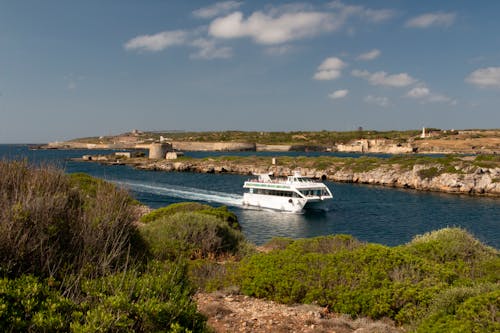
(453, 175)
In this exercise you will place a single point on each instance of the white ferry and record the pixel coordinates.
(292, 194)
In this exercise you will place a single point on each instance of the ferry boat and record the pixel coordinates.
(292, 194)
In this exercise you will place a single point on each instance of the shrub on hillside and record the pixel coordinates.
(155, 301)
(51, 228)
(30, 305)
(465, 313)
(220, 212)
(192, 235)
(458, 250)
(348, 277)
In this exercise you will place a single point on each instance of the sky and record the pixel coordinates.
(88, 68)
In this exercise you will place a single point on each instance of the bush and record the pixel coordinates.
(478, 313)
(28, 304)
(192, 235)
(158, 300)
(171, 210)
(458, 250)
(220, 212)
(348, 277)
(51, 228)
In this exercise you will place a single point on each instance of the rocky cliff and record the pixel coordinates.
(426, 177)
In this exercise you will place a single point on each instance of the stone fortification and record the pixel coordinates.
(375, 146)
(260, 147)
(159, 150)
(213, 146)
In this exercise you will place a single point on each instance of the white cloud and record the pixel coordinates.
(485, 77)
(425, 95)
(217, 9)
(271, 29)
(330, 69)
(208, 49)
(281, 24)
(383, 79)
(418, 92)
(157, 42)
(432, 19)
(339, 94)
(371, 15)
(370, 55)
(377, 100)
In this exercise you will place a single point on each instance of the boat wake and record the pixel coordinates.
(189, 193)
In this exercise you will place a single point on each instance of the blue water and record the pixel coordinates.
(370, 213)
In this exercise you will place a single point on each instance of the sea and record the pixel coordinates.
(370, 213)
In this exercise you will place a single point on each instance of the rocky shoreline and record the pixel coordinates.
(462, 177)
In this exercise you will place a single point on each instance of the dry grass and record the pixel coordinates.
(52, 229)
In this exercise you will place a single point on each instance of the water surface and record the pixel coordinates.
(370, 213)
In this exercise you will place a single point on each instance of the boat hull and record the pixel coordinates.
(286, 204)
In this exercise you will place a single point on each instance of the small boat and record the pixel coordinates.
(292, 194)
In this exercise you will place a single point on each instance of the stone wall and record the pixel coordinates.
(213, 146)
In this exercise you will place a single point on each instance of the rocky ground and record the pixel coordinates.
(237, 313)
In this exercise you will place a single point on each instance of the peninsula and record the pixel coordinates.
(425, 141)
(476, 175)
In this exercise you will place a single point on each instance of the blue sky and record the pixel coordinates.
(83, 68)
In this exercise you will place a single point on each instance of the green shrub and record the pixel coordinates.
(157, 300)
(220, 212)
(28, 304)
(429, 173)
(172, 209)
(348, 277)
(478, 313)
(458, 250)
(191, 235)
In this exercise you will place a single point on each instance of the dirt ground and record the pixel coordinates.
(460, 144)
(238, 313)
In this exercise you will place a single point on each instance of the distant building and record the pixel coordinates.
(423, 133)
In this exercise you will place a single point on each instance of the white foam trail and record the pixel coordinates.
(183, 192)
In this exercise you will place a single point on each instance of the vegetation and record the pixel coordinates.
(220, 212)
(191, 235)
(297, 138)
(428, 167)
(73, 258)
(405, 283)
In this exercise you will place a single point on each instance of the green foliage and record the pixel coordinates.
(429, 173)
(157, 300)
(88, 185)
(28, 304)
(345, 275)
(171, 210)
(191, 235)
(85, 183)
(457, 249)
(487, 161)
(465, 312)
(223, 214)
(363, 163)
(220, 212)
